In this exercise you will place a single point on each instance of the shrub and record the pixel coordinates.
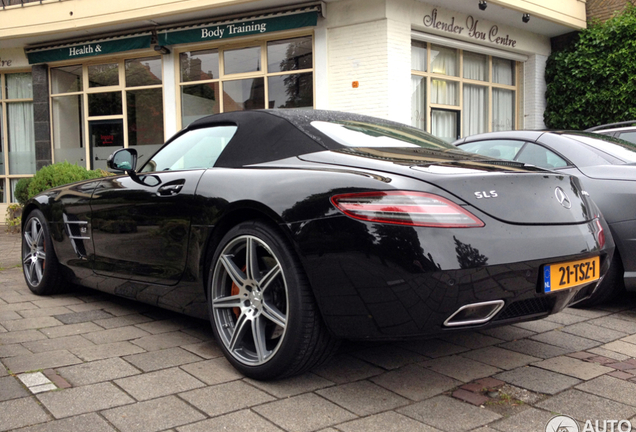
(22, 190)
(592, 82)
(60, 174)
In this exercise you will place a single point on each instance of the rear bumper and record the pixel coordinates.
(400, 282)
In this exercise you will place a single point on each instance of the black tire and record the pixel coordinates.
(39, 262)
(262, 310)
(612, 285)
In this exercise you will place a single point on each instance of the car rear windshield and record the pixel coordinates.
(617, 148)
(363, 134)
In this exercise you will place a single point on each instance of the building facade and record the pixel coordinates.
(81, 78)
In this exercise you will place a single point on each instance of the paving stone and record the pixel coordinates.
(9, 316)
(226, 398)
(597, 333)
(82, 400)
(573, 367)
(564, 340)
(45, 360)
(460, 368)
(84, 423)
(70, 330)
(630, 339)
(621, 375)
(500, 358)
(624, 366)
(472, 398)
(163, 359)
(97, 371)
(415, 382)
(508, 333)
(471, 340)
(386, 422)
(433, 348)
(389, 356)
(153, 415)
(344, 368)
(538, 380)
(58, 300)
(446, 413)
(156, 384)
(583, 406)
(599, 351)
(202, 332)
(46, 312)
(99, 352)
(80, 317)
(13, 350)
(62, 343)
(165, 340)
(586, 313)
(363, 398)
(241, 421)
(19, 413)
(11, 388)
(215, 371)
(293, 386)
(17, 306)
(618, 346)
(15, 337)
(207, 350)
(615, 324)
(611, 388)
(115, 335)
(122, 321)
(564, 318)
(530, 419)
(539, 326)
(164, 326)
(535, 348)
(304, 413)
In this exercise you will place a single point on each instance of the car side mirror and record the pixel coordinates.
(123, 160)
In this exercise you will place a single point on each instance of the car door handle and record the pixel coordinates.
(170, 189)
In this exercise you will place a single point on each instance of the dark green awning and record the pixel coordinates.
(306, 17)
(88, 48)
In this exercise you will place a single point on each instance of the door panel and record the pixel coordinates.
(141, 225)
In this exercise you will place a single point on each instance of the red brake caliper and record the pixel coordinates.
(235, 291)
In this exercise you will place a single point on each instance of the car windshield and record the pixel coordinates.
(362, 134)
(617, 148)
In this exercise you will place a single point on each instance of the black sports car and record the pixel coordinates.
(291, 229)
(606, 168)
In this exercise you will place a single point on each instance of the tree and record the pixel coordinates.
(593, 81)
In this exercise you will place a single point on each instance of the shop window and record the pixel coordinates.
(20, 133)
(245, 78)
(66, 79)
(143, 72)
(67, 129)
(461, 91)
(103, 75)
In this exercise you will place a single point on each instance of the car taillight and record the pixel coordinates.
(600, 233)
(405, 208)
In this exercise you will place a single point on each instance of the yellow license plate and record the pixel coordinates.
(571, 273)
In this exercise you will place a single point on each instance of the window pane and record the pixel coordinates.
(105, 136)
(503, 109)
(102, 104)
(475, 66)
(502, 149)
(444, 124)
(289, 54)
(540, 156)
(21, 138)
(199, 65)
(2, 193)
(199, 148)
(418, 56)
(503, 71)
(291, 91)
(444, 60)
(143, 71)
(242, 60)
(66, 79)
(199, 101)
(244, 94)
(444, 92)
(418, 101)
(19, 86)
(145, 121)
(13, 183)
(475, 109)
(68, 142)
(2, 169)
(103, 75)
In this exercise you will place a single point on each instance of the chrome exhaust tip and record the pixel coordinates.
(474, 313)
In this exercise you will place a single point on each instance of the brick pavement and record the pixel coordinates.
(88, 361)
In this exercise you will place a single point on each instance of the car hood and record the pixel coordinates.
(610, 172)
(508, 191)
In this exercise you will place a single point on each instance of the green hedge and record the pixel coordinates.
(57, 175)
(593, 81)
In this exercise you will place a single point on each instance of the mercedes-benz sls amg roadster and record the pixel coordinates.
(292, 229)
